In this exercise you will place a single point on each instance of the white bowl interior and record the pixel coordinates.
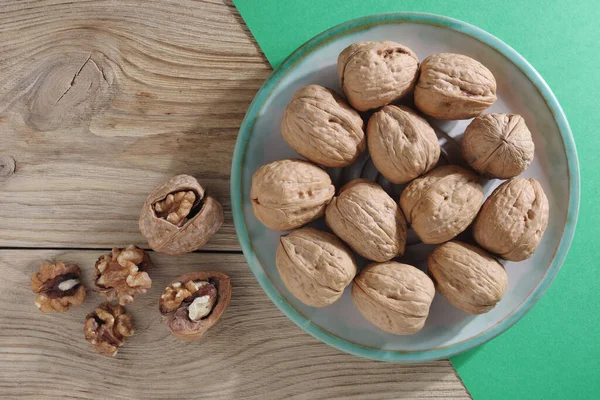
(446, 325)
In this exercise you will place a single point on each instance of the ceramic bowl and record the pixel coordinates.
(448, 331)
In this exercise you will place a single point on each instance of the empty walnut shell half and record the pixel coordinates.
(374, 74)
(454, 86)
(394, 297)
(467, 276)
(402, 144)
(513, 219)
(194, 302)
(178, 217)
(58, 287)
(498, 145)
(315, 266)
(442, 203)
(322, 127)
(287, 194)
(107, 327)
(365, 217)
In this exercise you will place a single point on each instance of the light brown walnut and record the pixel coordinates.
(107, 327)
(58, 287)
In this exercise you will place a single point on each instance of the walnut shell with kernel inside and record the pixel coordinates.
(178, 217)
(454, 86)
(513, 219)
(194, 302)
(374, 74)
(319, 125)
(315, 266)
(442, 203)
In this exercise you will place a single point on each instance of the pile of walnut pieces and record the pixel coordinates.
(438, 202)
(177, 218)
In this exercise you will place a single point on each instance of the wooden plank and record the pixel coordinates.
(102, 100)
(254, 352)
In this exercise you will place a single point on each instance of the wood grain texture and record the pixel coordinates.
(254, 351)
(100, 101)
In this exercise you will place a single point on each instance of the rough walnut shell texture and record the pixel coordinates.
(365, 217)
(180, 325)
(374, 74)
(498, 145)
(513, 219)
(467, 276)
(319, 125)
(178, 238)
(454, 86)
(442, 204)
(315, 266)
(287, 194)
(402, 144)
(394, 297)
(46, 283)
(107, 327)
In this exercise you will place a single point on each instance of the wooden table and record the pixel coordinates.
(99, 102)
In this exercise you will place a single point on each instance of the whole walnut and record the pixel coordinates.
(402, 144)
(365, 217)
(454, 86)
(394, 297)
(287, 194)
(467, 276)
(513, 219)
(178, 217)
(315, 266)
(498, 145)
(374, 74)
(442, 203)
(319, 125)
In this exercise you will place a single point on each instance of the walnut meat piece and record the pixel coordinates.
(402, 145)
(513, 219)
(319, 125)
(467, 276)
(178, 217)
(454, 86)
(58, 287)
(498, 145)
(442, 203)
(374, 74)
(287, 194)
(107, 327)
(194, 302)
(120, 275)
(394, 297)
(315, 266)
(365, 217)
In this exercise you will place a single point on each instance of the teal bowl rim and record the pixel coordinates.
(246, 130)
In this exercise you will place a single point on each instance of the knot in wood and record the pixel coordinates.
(7, 167)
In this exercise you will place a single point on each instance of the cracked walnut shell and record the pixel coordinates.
(467, 276)
(107, 327)
(513, 219)
(402, 144)
(194, 302)
(498, 145)
(374, 74)
(178, 217)
(454, 86)
(315, 266)
(287, 194)
(58, 287)
(120, 275)
(319, 125)
(394, 297)
(442, 203)
(365, 217)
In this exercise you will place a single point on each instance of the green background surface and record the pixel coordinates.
(554, 351)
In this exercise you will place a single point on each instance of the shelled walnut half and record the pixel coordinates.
(58, 287)
(178, 217)
(120, 275)
(107, 327)
(194, 302)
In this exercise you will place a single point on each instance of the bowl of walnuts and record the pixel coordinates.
(405, 187)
